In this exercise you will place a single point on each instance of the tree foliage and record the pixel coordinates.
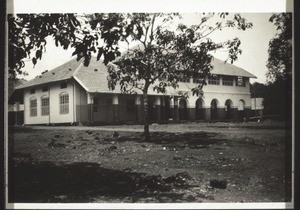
(280, 48)
(167, 55)
(163, 56)
(276, 98)
(278, 95)
(27, 35)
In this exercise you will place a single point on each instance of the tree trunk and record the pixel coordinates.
(146, 116)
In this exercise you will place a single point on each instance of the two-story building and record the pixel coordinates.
(73, 93)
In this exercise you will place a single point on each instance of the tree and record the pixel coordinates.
(165, 55)
(280, 48)
(280, 64)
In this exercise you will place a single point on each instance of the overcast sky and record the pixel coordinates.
(254, 44)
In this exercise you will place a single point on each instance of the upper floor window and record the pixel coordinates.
(44, 106)
(63, 85)
(33, 107)
(184, 79)
(214, 80)
(198, 80)
(64, 103)
(241, 81)
(32, 91)
(227, 80)
(45, 88)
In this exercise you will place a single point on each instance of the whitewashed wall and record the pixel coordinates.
(54, 115)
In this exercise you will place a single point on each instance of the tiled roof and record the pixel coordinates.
(222, 68)
(62, 72)
(94, 77)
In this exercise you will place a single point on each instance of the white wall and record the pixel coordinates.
(53, 93)
(219, 92)
(39, 119)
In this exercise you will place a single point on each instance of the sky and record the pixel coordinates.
(254, 45)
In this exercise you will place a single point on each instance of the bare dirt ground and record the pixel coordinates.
(192, 162)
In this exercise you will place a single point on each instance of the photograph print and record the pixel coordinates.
(149, 108)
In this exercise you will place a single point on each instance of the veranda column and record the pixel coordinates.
(176, 110)
(221, 112)
(207, 112)
(115, 104)
(157, 104)
(235, 113)
(138, 109)
(90, 107)
(163, 108)
(191, 106)
(247, 110)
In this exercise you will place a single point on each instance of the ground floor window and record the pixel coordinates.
(45, 106)
(64, 103)
(130, 105)
(33, 107)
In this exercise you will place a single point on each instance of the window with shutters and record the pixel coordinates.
(33, 107)
(45, 106)
(64, 103)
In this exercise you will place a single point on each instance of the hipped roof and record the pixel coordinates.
(94, 77)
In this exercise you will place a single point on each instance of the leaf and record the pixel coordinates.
(34, 61)
(38, 54)
(56, 42)
(100, 52)
(75, 52)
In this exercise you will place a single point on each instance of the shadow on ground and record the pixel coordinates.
(83, 182)
(192, 140)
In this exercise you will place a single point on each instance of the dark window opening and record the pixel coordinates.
(199, 80)
(95, 108)
(227, 81)
(45, 89)
(214, 80)
(130, 105)
(32, 91)
(63, 85)
(184, 79)
(95, 101)
(241, 82)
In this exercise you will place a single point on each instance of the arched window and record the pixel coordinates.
(214, 109)
(228, 109)
(44, 105)
(241, 105)
(241, 109)
(199, 109)
(33, 107)
(183, 115)
(64, 103)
